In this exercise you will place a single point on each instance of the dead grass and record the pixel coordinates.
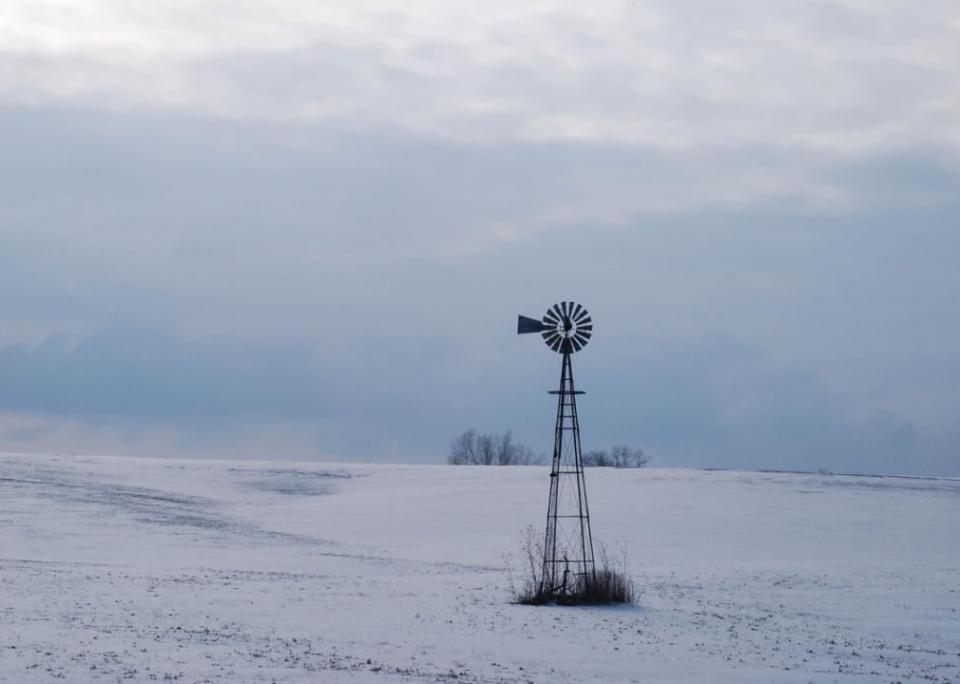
(610, 584)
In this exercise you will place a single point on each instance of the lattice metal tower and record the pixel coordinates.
(568, 563)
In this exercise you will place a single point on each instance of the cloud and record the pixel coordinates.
(311, 226)
(712, 402)
(833, 75)
(147, 373)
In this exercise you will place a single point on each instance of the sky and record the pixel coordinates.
(304, 230)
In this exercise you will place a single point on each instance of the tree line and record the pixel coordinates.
(473, 448)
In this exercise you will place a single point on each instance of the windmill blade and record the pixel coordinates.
(582, 339)
(588, 326)
(560, 314)
(567, 308)
(528, 325)
(550, 319)
(558, 341)
(576, 312)
(577, 346)
(583, 315)
(585, 333)
(585, 321)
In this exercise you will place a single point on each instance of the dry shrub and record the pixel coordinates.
(611, 583)
(529, 591)
(607, 586)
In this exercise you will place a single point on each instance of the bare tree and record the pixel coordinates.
(463, 449)
(597, 458)
(471, 448)
(618, 457)
(486, 450)
(505, 449)
(625, 457)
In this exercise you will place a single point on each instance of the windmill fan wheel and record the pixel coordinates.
(567, 327)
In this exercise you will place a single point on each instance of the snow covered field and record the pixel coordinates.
(210, 571)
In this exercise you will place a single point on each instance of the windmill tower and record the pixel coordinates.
(568, 564)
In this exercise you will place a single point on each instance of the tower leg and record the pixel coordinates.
(568, 560)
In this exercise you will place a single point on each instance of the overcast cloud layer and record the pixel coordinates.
(303, 231)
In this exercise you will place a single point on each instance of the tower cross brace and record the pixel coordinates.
(568, 561)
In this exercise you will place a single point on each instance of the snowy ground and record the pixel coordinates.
(210, 571)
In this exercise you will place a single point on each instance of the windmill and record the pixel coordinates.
(568, 564)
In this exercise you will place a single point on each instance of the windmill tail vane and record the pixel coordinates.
(568, 560)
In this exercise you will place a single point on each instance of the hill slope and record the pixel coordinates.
(133, 569)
